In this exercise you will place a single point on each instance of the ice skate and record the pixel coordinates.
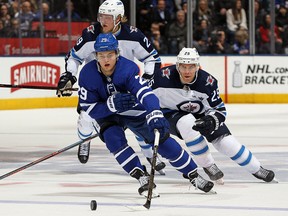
(159, 165)
(265, 175)
(200, 183)
(143, 178)
(214, 173)
(83, 152)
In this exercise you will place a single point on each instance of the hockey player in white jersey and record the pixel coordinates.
(114, 95)
(132, 44)
(189, 98)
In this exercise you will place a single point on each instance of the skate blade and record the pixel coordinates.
(274, 181)
(155, 194)
(161, 172)
(220, 181)
(211, 192)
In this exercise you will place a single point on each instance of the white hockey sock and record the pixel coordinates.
(230, 147)
(146, 149)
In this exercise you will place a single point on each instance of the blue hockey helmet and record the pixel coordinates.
(106, 42)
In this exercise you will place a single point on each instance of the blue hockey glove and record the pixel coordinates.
(121, 102)
(156, 120)
(206, 124)
(66, 80)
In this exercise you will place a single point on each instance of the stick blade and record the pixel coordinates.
(147, 205)
(137, 208)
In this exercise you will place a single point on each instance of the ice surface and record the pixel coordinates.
(61, 186)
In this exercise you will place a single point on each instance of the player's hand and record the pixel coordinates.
(66, 81)
(149, 78)
(206, 124)
(121, 102)
(156, 120)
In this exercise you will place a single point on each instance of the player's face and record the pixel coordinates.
(107, 61)
(187, 72)
(107, 22)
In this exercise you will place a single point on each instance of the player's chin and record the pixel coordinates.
(106, 29)
(187, 79)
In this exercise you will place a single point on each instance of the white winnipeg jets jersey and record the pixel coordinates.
(199, 97)
(132, 44)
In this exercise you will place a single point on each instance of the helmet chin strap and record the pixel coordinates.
(116, 25)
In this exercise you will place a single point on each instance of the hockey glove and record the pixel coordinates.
(149, 79)
(66, 81)
(121, 102)
(206, 124)
(156, 120)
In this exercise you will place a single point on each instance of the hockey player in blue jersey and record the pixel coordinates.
(132, 44)
(114, 95)
(189, 98)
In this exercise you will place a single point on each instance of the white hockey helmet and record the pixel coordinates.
(188, 56)
(112, 7)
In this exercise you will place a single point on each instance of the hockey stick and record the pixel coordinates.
(152, 173)
(47, 157)
(35, 87)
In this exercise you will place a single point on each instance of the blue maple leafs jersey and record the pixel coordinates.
(132, 43)
(201, 97)
(95, 88)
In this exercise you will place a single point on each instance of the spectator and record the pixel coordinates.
(13, 9)
(177, 33)
(158, 41)
(46, 13)
(13, 31)
(161, 15)
(264, 31)
(218, 44)
(143, 17)
(202, 36)
(235, 19)
(282, 17)
(25, 16)
(282, 22)
(259, 13)
(203, 12)
(2, 29)
(5, 16)
(241, 42)
(169, 5)
(63, 15)
(220, 8)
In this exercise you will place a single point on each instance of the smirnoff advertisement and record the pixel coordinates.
(30, 71)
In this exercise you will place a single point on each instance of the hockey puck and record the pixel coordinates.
(93, 205)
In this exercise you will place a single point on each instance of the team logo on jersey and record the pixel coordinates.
(210, 81)
(90, 29)
(190, 106)
(166, 73)
(133, 29)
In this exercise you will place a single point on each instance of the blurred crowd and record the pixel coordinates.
(219, 26)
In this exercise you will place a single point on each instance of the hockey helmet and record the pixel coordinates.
(112, 7)
(106, 42)
(188, 56)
